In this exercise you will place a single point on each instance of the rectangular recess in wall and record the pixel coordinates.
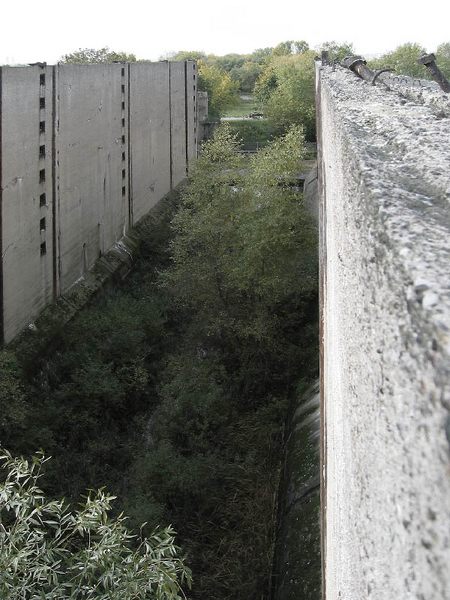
(42, 224)
(43, 248)
(123, 191)
(123, 156)
(123, 174)
(41, 102)
(42, 79)
(42, 151)
(42, 126)
(42, 176)
(42, 200)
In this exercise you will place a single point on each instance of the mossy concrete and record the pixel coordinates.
(296, 574)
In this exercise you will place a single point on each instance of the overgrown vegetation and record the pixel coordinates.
(49, 552)
(172, 391)
(404, 60)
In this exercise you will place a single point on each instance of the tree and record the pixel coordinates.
(51, 553)
(337, 51)
(403, 60)
(443, 58)
(286, 91)
(290, 47)
(241, 234)
(222, 90)
(91, 55)
(187, 55)
(12, 397)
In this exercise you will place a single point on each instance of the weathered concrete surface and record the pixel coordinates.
(178, 121)
(91, 213)
(191, 111)
(85, 153)
(149, 135)
(385, 184)
(26, 214)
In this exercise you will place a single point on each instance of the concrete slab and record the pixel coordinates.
(91, 171)
(27, 220)
(178, 121)
(149, 135)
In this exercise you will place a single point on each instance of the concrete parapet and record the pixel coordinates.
(384, 174)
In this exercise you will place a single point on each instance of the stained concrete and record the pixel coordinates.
(296, 573)
(91, 174)
(191, 111)
(27, 221)
(385, 186)
(178, 121)
(149, 135)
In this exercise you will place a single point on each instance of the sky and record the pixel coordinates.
(44, 30)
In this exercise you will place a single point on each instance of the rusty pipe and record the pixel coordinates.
(429, 61)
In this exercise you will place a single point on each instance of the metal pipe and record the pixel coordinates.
(429, 61)
(358, 65)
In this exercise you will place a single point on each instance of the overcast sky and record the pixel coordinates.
(44, 30)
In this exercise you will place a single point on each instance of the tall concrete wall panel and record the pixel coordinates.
(385, 184)
(26, 197)
(149, 135)
(178, 121)
(92, 169)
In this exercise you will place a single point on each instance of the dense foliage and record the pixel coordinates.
(172, 391)
(222, 90)
(404, 60)
(49, 552)
(93, 55)
(286, 91)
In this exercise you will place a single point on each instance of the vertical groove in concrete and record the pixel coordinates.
(186, 115)
(53, 167)
(1, 214)
(130, 163)
(170, 124)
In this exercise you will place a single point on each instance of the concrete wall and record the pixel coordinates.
(385, 249)
(150, 153)
(92, 172)
(191, 110)
(85, 152)
(178, 121)
(296, 570)
(26, 196)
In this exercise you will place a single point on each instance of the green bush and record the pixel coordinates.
(52, 553)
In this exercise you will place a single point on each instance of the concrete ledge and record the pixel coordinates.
(385, 185)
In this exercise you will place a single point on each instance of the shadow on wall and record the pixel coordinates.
(297, 567)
